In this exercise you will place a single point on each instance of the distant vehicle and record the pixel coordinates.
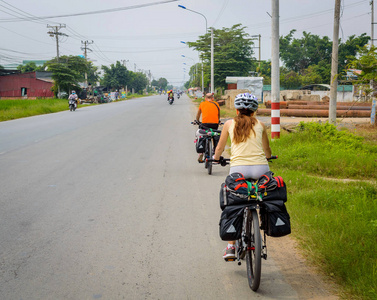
(72, 104)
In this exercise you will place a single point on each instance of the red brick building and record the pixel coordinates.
(26, 85)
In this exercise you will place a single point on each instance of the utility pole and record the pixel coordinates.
(55, 32)
(259, 46)
(275, 73)
(334, 65)
(212, 64)
(373, 113)
(85, 48)
(372, 23)
(124, 62)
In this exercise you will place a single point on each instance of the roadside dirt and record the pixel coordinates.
(304, 278)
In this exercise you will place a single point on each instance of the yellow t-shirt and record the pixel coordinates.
(250, 152)
(210, 112)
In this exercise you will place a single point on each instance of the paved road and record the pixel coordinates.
(108, 202)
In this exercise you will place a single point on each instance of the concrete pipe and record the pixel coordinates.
(283, 104)
(315, 113)
(338, 107)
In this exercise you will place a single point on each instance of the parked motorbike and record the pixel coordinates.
(72, 104)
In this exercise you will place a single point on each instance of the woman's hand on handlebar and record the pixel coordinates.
(222, 161)
(271, 158)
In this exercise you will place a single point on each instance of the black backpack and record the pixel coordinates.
(236, 190)
(272, 188)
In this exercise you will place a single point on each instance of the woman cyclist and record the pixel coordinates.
(250, 146)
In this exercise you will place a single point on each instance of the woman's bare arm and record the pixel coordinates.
(223, 139)
(266, 142)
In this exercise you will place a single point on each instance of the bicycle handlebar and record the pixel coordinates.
(225, 161)
(195, 122)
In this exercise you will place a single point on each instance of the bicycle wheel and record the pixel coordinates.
(254, 249)
(206, 154)
(210, 154)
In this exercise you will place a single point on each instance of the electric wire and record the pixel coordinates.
(90, 12)
(22, 13)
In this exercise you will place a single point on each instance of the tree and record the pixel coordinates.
(93, 75)
(263, 69)
(310, 56)
(299, 54)
(30, 67)
(116, 76)
(349, 49)
(232, 53)
(312, 75)
(68, 72)
(289, 79)
(367, 63)
(138, 81)
(160, 83)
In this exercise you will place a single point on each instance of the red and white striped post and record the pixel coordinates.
(275, 120)
(275, 73)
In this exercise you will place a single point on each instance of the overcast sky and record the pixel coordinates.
(149, 37)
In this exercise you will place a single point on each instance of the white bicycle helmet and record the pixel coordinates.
(246, 101)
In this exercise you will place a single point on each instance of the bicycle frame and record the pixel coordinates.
(242, 243)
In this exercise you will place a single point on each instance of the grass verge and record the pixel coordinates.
(15, 109)
(334, 221)
(21, 108)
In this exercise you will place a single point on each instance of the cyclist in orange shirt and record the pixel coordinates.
(210, 112)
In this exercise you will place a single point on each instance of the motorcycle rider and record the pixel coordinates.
(73, 97)
(170, 95)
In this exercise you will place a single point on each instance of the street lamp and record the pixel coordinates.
(184, 7)
(196, 66)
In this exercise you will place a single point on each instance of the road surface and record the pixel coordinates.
(109, 202)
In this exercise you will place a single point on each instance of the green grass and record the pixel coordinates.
(334, 221)
(325, 151)
(15, 109)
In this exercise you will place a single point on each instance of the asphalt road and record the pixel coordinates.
(109, 202)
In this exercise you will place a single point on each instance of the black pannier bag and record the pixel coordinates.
(272, 188)
(275, 220)
(230, 226)
(236, 191)
(200, 144)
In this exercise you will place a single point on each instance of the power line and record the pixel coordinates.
(89, 13)
(302, 17)
(21, 12)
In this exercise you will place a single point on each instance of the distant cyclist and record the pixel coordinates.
(249, 142)
(209, 110)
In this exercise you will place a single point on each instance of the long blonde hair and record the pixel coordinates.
(244, 123)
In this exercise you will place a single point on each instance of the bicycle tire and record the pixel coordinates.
(206, 154)
(210, 154)
(254, 250)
